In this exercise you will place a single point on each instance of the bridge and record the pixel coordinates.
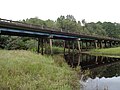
(15, 28)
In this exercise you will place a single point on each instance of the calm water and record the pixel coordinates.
(98, 73)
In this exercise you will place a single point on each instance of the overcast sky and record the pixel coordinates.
(90, 10)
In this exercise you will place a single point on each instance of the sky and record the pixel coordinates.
(90, 10)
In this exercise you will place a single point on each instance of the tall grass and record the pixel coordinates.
(107, 51)
(24, 70)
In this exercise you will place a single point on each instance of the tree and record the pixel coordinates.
(110, 29)
(71, 18)
(49, 23)
(35, 21)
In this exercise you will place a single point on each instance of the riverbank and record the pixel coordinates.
(107, 52)
(22, 70)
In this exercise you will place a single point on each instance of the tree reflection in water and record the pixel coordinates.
(104, 72)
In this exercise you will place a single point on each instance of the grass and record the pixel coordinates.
(25, 70)
(58, 50)
(107, 51)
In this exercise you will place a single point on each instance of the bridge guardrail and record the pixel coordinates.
(53, 29)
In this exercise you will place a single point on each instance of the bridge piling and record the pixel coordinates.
(96, 44)
(13, 28)
(42, 50)
(90, 45)
(73, 52)
(79, 56)
(64, 46)
(51, 51)
(38, 47)
(86, 46)
(73, 46)
(45, 41)
(79, 46)
(68, 47)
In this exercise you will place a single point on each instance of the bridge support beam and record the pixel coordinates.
(96, 44)
(42, 41)
(73, 47)
(38, 47)
(86, 45)
(51, 51)
(90, 45)
(69, 47)
(81, 45)
(45, 41)
(73, 52)
(64, 46)
(78, 42)
(79, 56)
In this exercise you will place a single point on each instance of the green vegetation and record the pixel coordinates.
(58, 50)
(65, 23)
(70, 24)
(107, 51)
(24, 70)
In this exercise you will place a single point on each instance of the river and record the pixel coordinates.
(98, 72)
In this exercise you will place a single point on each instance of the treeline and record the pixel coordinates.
(65, 23)
(70, 24)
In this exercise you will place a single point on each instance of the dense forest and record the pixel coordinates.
(70, 24)
(65, 23)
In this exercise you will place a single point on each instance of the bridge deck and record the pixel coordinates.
(8, 27)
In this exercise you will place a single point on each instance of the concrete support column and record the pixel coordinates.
(96, 59)
(79, 59)
(96, 44)
(78, 42)
(79, 49)
(51, 51)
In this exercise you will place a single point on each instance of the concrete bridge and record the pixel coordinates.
(15, 28)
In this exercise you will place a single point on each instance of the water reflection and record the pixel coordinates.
(104, 72)
(87, 61)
